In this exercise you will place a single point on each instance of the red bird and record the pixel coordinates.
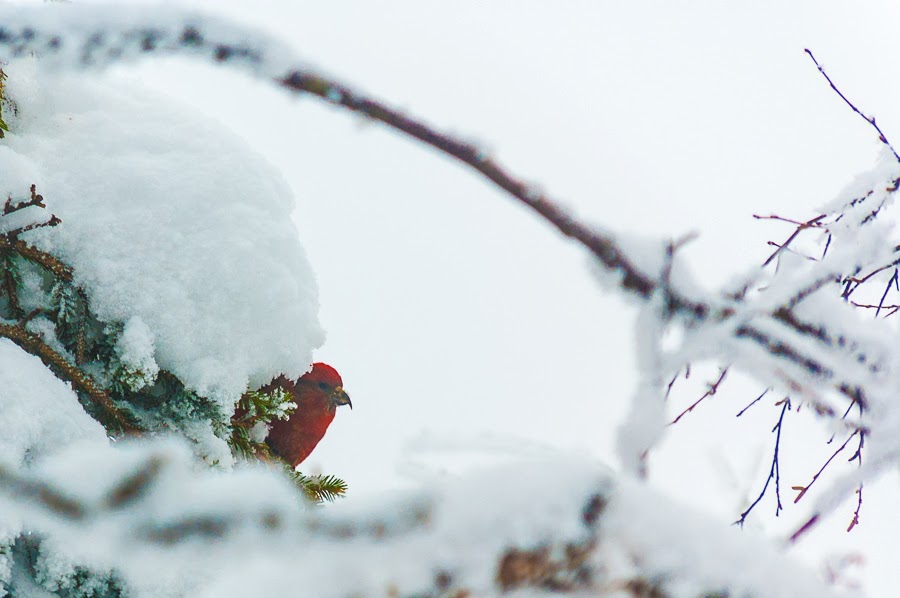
(318, 395)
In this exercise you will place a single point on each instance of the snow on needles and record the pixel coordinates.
(171, 225)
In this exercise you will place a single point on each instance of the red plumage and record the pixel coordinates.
(317, 395)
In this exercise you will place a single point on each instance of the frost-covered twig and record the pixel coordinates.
(853, 282)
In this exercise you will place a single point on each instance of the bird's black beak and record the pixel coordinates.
(340, 397)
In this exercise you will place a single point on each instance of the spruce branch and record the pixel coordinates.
(319, 489)
(35, 200)
(43, 259)
(10, 282)
(53, 221)
(3, 99)
(112, 415)
(9, 241)
(259, 407)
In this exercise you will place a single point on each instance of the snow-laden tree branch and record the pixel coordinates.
(119, 509)
(78, 37)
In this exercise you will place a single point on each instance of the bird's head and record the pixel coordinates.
(324, 379)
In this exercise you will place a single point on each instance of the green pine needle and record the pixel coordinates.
(320, 489)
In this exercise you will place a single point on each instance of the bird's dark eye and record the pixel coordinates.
(323, 385)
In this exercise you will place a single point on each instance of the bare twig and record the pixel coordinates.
(869, 119)
(887, 288)
(802, 490)
(801, 226)
(710, 391)
(827, 245)
(602, 246)
(890, 309)
(857, 456)
(673, 380)
(803, 529)
(816, 517)
(754, 402)
(859, 498)
(774, 471)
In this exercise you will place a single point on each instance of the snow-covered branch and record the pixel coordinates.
(84, 37)
(118, 509)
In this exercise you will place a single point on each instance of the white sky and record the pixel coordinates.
(454, 314)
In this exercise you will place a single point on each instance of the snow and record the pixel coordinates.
(66, 35)
(872, 185)
(226, 534)
(645, 423)
(708, 556)
(135, 349)
(172, 226)
(39, 414)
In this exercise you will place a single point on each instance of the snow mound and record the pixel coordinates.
(170, 219)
